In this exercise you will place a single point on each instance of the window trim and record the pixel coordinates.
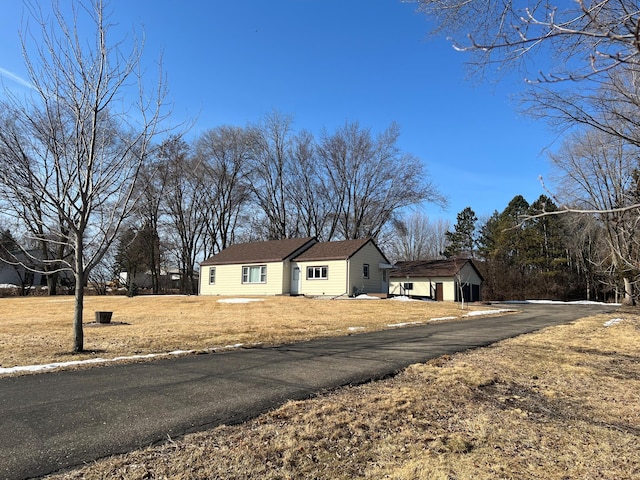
(246, 274)
(212, 275)
(365, 270)
(322, 269)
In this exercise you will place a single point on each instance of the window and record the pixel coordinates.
(257, 274)
(212, 275)
(318, 273)
(365, 270)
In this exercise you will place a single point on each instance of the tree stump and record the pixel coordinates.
(103, 317)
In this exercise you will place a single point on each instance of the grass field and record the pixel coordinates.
(562, 403)
(38, 330)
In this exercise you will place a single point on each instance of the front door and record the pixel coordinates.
(384, 284)
(295, 280)
(439, 292)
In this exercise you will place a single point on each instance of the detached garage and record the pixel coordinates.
(442, 280)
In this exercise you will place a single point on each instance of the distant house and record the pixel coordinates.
(23, 270)
(301, 266)
(441, 280)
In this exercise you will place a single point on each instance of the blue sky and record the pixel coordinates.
(330, 61)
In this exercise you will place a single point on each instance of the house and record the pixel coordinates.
(23, 269)
(348, 267)
(296, 266)
(443, 280)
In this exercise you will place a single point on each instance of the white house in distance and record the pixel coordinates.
(300, 266)
(441, 280)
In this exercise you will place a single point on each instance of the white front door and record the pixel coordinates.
(384, 284)
(295, 280)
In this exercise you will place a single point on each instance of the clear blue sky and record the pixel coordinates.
(327, 62)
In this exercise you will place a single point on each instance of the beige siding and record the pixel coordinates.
(336, 281)
(229, 280)
(422, 287)
(370, 255)
(345, 275)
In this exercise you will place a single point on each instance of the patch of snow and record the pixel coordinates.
(73, 363)
(8, 285)
(403, 324)
(613, 321)
(353, 329)
(439, 319)
(486, 312)
(364, 296)
(403, 298)
(180, 352)
(240, 300)
(558, 302)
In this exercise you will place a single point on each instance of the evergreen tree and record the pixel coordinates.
(461, 242)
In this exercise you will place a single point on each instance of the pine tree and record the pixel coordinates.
(462, 241)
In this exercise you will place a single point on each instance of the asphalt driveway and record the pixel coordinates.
(57, 420)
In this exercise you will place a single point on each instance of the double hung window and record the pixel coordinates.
(254, 274)
(318, 273)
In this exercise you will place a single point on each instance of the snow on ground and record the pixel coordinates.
(558, 302)
(355, 329)
(8, 285)
(440, 319)
(73, 363)
(404, 324)
(53, 366)
(613, 321)
(475, 313)
(240, 300)
(403, 298)
(364, 296)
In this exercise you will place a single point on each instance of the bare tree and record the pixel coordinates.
(271, 139)
(224, 154)
(185, 208)
(77, 142)
(573, 40)
(370, 179)
(310, 202)
(599, 172)
(417, 237)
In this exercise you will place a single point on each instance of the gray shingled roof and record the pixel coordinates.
(341, 250)
(431, 268)
(260, 252)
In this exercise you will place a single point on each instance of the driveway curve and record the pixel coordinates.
(58, 420)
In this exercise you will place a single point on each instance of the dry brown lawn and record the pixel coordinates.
(562, 403)
(38, 330)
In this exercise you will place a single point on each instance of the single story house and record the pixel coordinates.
(442, 280)
(296, 266)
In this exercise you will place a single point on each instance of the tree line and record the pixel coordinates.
(265, 181)
(581, 61)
